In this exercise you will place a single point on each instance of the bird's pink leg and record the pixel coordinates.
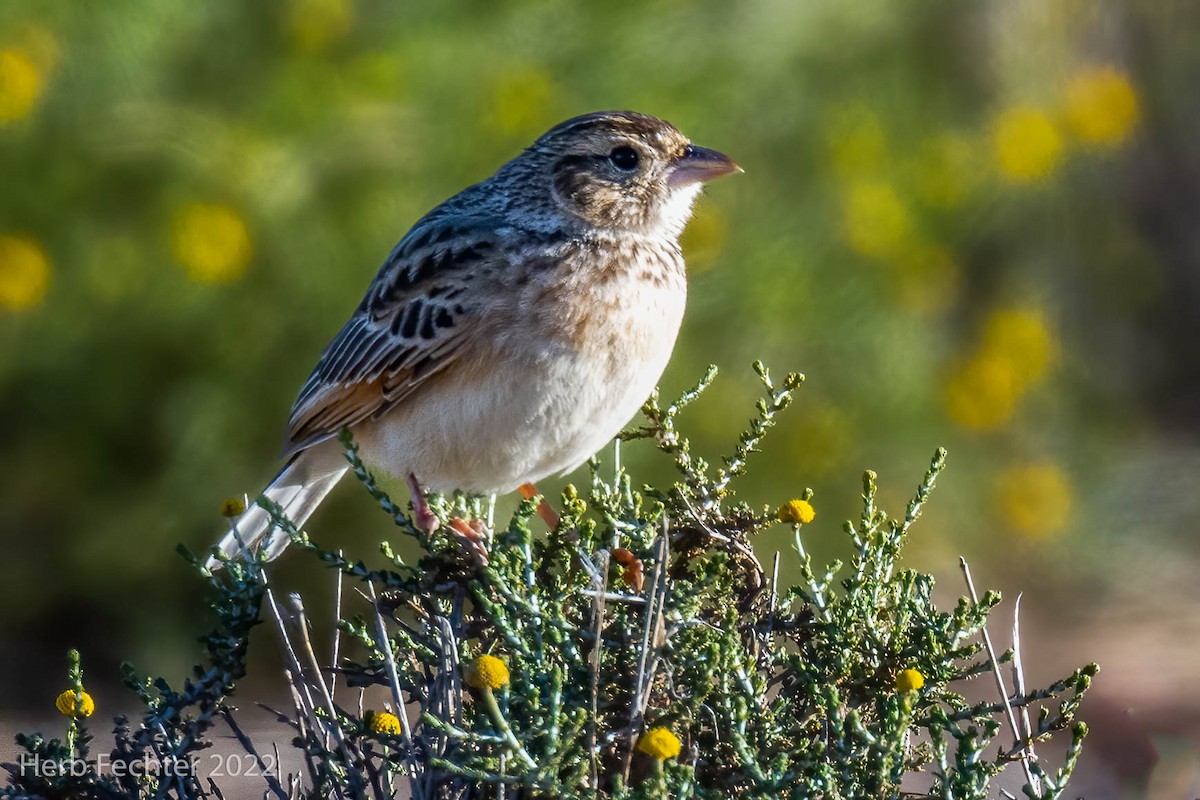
(423, 515)
(548, 515)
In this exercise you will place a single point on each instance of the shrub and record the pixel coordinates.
(640, 649)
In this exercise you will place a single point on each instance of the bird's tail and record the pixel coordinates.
(298, 489)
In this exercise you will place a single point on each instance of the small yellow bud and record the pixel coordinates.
(232, 507)
(487, 672)
(659, 743)
(797, 512)
(65, 703)
(909, 680)
(383, 722)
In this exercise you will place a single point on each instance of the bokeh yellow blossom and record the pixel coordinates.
(659, 743)
(1101, 106)
(66, 704)
(315, 24)
(24, 272)
(487, 672)
(909, 680)
(982, 392)
(797, 512)
(383, 722)
(855, 141)
(21, 84)
(521, 100)
(1016, 348)
(1026, 144)
(1022, 337)
(874, 219)
(1035, 500)
(211, 242)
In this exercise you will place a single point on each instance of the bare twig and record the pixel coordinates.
(991, 651)
(1019, 684)
(337, 632)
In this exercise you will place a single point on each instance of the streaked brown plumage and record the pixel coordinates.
(514, 329)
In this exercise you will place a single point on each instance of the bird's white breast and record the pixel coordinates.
(564, 358)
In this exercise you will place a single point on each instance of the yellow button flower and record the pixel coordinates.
(211, 242)
(909, 680)
(1026, 144)
(982, 393)
(232, 507)
(487, 672)
(1034, 499)
(21, 84)
(24, 272)
(1101, 106)
(383, 722)
(797, 512)
(659, 743)
(65, 703)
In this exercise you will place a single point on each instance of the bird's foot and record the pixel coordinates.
(548, 514)
(423, 515)
(472, 537)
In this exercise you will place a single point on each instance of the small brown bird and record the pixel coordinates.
(514, 330)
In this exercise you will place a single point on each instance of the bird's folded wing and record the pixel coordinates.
(413, 323)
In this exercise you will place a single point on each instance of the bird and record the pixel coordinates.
(512, 331)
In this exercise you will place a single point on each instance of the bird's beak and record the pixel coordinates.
(699, 164)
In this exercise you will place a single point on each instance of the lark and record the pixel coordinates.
(513, 330)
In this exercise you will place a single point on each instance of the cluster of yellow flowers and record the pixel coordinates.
(1099, 108)
(1035, 500)
(877, 221)
(488, 673)
(1014, 354)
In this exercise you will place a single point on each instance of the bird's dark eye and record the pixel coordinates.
(624, 157)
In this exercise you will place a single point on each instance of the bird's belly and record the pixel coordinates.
(538, 405)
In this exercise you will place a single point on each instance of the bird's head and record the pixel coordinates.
(623, 171)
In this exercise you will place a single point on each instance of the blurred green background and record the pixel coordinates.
(970, 224)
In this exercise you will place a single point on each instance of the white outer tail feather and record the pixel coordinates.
(298, 489)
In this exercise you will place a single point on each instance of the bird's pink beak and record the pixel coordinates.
(699, 164)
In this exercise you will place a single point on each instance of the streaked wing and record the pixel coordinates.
(412, 324)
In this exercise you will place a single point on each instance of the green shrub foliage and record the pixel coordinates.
(642, 609)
